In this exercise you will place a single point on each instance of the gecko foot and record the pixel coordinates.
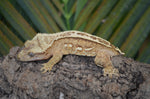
(110, 71)
(46, 68)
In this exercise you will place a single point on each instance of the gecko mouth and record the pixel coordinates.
(18, 52)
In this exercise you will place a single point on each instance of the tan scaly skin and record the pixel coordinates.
(44, 46)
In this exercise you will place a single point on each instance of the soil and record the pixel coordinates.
(74, 77)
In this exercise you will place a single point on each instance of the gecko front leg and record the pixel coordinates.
(48, 66)
(103, 59)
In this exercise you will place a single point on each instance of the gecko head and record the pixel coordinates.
(24, 55)
(32, 51)
(35, 49)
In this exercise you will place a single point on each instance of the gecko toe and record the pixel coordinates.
(110, 71)
(46, 68)
(43, 70)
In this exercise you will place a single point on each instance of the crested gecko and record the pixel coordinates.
(44, 46)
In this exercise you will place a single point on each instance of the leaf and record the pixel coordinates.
(137, 35)
(8, 33)
(51, 24)
(83, 17)
(99, 14)
(128, 23)
(5, 43)
(16, 20)
(120, 10)
(34, 14)
(59, 6)
(65, 1)
(79, 7)
(68, 14)
(145, 55)
(52, 11)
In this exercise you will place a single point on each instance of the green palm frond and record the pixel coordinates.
(99, 15)
(84, 15)
(137, 35)
(144, 55)
(124, 29)
(5, 43)
(54, 13)
(125, 23)
(10, 35)
(16, 20)
(114, 18)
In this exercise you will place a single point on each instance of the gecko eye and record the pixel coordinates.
(31, 54)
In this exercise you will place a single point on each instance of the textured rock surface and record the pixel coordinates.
(74, 77)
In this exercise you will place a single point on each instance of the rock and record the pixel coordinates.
(74, 77)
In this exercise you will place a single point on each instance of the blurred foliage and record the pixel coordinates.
(125, 23)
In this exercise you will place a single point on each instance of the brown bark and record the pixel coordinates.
(74, 77)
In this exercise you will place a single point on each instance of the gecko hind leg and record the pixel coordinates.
(103, 59)
(48, 66)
